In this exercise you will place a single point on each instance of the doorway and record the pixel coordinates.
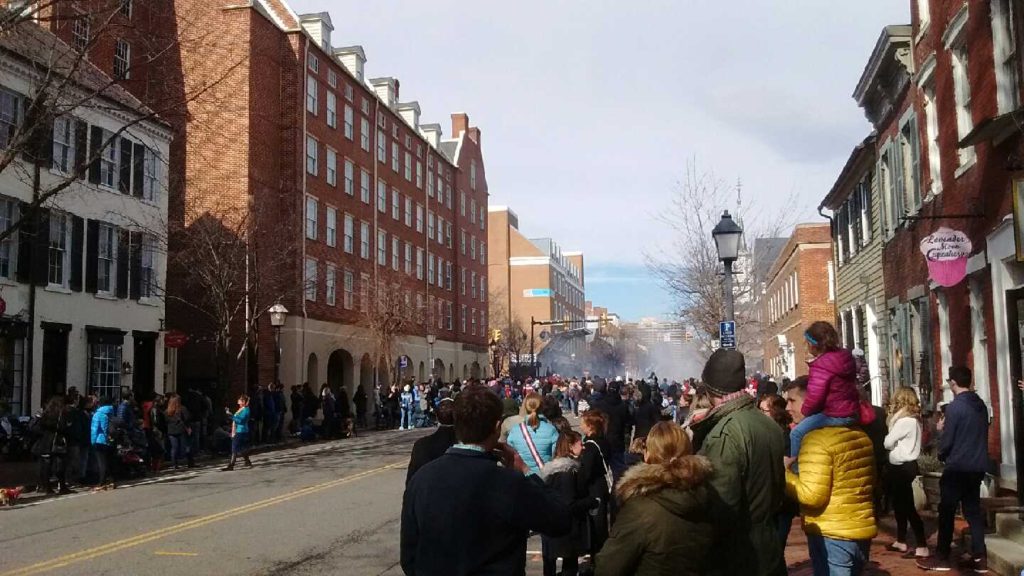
(144, 372)
(1015, 331)
(55, 360)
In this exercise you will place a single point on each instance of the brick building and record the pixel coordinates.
(535, 278)
(796, 296)
(341, 173)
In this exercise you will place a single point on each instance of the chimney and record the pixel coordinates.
(386, 89)
(410, 112)
(432, 132)
(353, 59)
(319, 28)
(460, 123)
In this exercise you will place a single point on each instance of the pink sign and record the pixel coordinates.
(946, 251)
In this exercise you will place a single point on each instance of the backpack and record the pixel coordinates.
(608, 477)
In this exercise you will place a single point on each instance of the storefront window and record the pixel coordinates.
(105, 370)
(12, 363)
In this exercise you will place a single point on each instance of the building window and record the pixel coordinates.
(382, 248)
(483, 288)
(472, 211)
(311, 217)
(430, 269)
(419, 217)
(10, 116)
(448, 276)
(350, 184)
(312, 98)
(396, 204)
(332, 110)
(382, 196)
(472, 174)
(481, 219)
(462, 203)
(349, 288)
(349, 233)
(887, 185)
(349, 93)
(311, 155)
(8, 215)
(332, 78)
(430, 225)
(60, 255)
(332, 167)
(463, 319)
(330, 284)
(349, 120)
(332, 226)
(122, 60)
(313, 61)
(364, 134)
(364, 240)
(462, 280)
(408, 211)
(396, 252)
(472, 285)
(105, 370)
(408, 258)
(430, 183)
(64, 144)
(364, 292)
(419, 263)
(106, 264)
(910, 165)
(310, 279)
(382, 147)
(408, 166)
(147, 283)
(364, 186)
(462, 241)
(440, 230)
(931, 117)
(80, 32)
(395, 158)
(483, 252)
(150, 175)
(955, 39)
(419, 175)
(108, 160)
(1004, 44)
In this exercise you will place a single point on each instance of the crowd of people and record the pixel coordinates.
(703, 477)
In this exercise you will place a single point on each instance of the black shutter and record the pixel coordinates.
(125, 180)
(26, 234)
(41, 248)
(81, 146)
(137, 170)
(42, 141)
(135, 289)
(95, 144)
(123, 258)
(92, 249)
(77, 231)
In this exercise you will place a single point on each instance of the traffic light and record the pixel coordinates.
(496, 335)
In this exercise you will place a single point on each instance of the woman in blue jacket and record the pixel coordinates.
(535, 438)
(101, 442)
(239, 434)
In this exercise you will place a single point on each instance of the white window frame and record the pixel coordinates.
(122, 60)
(396, 252)
(64, 144)
(364, 133)
(382, 196)
(332, 167)
(349, 123)
(310, 279)
(312, 95)
(350, 173)
(364, 186)
(955, 41)
(312, 155)
(348, 289)
(382, 248)
(332, 226)
(332, 109)
(348, 240)
(330, 284)
(312, 217)
(419, 217)
(931, 118)
(419, 263)
(9, 213)
(364, 240)
(408, 211)
(396, 205)
(1006, 56)
(106, 259)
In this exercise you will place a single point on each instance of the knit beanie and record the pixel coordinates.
(725, 372)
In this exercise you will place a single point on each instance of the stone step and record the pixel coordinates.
(1005, 557)
(1010, 526)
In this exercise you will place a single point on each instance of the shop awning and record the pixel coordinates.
(995, 129)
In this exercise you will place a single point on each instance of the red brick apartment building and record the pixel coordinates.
(944, 96)
(335, 171)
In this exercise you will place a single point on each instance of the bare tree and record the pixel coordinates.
(690, 268)
(388, 313)
(514, 340)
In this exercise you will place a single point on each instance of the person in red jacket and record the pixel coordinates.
(832, 395)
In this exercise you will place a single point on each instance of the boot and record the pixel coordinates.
(230, 466)
(248, 463)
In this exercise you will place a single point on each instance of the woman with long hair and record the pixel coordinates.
(239, 434)
(904, 445)
(534, 439)
(663, 526)
(52, 445)
(177, 418)
(562, 474)
(596, 476)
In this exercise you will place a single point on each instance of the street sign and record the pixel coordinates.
(403, 362)
(727, 334)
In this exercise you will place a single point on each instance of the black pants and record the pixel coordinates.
(962, 488)
(570, 566)
(103, 454)
(51, 465)
(900, 484)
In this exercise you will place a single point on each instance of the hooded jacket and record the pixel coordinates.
(832, 386)
(745, 487)
(562, 475)
(835, 487)
(619, 420)
(663, 526)
(964, 442)
(544, 437)
(100, 424)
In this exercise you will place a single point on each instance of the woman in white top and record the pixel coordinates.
(904, 445)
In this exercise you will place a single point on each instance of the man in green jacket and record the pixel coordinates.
(748, 479)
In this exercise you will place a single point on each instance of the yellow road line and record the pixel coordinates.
(112, 547)
(162, 553)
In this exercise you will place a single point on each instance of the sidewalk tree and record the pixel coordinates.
(387, 313)
(514, 341)
(690, 270)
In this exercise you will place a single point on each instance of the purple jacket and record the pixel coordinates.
(832, 386)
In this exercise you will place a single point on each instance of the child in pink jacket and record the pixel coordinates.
(832, 396)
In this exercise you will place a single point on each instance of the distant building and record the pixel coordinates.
(800, 290)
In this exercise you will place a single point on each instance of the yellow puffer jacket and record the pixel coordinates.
(835, 484)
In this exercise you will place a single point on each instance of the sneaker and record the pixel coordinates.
(227, 469)
(934, 564)
(980, 565)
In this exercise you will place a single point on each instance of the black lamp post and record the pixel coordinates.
(727, 236)
(278, 315)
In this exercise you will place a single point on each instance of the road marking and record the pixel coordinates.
(162, 553)
(134, 541)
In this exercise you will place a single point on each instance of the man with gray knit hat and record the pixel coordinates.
(748, 479)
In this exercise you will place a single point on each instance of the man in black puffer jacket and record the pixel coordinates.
(606, 398)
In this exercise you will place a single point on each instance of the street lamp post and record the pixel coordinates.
(430, 341)
(727, 236)
(278, 315)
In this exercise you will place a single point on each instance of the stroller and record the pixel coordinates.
(131, 454)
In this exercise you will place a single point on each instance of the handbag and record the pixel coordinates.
(59, 445)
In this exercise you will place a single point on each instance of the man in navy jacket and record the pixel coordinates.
(964, 449)
(464, 515)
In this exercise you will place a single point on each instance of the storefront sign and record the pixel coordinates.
(946, 251)
(175, 339)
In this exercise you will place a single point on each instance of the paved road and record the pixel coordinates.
(323, 509)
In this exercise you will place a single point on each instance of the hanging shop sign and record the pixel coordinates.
(1018, 217)
(946, 251)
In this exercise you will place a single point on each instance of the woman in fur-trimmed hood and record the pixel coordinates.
(663, 527)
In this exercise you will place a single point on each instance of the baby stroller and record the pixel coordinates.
(131, 454)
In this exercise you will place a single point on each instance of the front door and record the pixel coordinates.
(1015, 330)
(144, 377)
(55, 363)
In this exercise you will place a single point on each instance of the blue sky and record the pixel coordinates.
(590, 110)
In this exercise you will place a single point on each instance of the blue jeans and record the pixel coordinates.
(831, 557)
(179, 444)
(406, 418)
(812, 422)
